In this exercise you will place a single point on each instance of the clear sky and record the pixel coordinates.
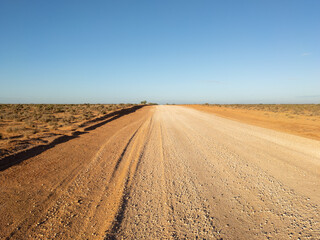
(175, 51)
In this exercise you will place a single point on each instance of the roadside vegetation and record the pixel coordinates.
(22, 125)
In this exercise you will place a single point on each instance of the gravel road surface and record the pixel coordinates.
(167, 172)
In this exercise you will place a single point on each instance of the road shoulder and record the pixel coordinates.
(304, 126)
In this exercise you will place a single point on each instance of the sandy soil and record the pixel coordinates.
(291, 119)
(167, 172)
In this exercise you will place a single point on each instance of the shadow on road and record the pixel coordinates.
(17, 158)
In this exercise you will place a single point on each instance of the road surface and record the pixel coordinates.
(166, 172)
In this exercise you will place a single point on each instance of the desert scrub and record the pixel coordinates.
(11, 129)
(54, 125)
(68, 119)
(88, 115)
(48, 118)
(30, 114)
(15, 129)
(30, 123)
(103, 111)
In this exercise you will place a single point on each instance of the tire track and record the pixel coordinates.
(72, 194)
(214, 187)
(123, 178)
(79, 197)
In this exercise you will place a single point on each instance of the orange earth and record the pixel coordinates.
(305, 124)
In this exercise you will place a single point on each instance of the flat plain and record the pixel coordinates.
(166, 172)
(23, 126)
(298, 119)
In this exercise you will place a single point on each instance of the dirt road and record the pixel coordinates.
(167, 172)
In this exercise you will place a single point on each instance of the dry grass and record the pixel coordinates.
(23, 124)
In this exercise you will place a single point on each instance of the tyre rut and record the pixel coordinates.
(75, 206)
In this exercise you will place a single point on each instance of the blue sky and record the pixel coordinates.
(176, 51)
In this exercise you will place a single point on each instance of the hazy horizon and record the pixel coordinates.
(218, 52)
